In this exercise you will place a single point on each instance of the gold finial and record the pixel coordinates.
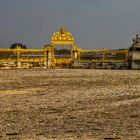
(62, 29)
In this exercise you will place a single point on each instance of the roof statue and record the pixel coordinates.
(136, 40)
(136, 43)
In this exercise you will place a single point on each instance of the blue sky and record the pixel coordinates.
(95, 24)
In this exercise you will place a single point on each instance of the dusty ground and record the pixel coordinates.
(67, 104)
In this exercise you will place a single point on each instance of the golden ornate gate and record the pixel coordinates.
(65, 40)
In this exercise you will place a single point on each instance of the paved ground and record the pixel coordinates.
(70, 104)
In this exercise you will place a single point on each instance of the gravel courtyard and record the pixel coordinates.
(69, 104)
